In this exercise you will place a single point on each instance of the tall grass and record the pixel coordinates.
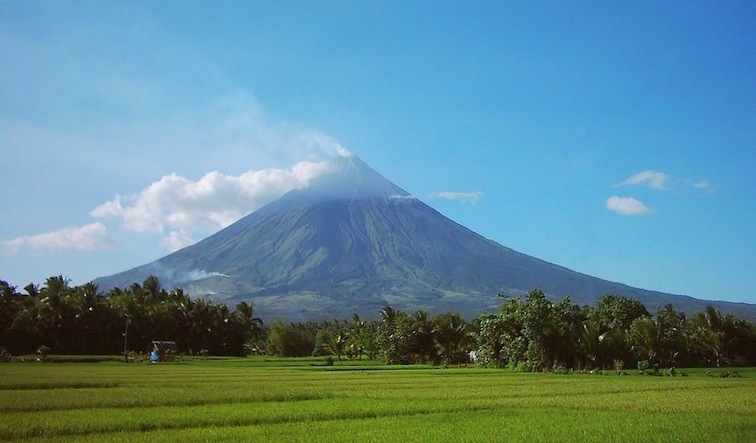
(292, 400)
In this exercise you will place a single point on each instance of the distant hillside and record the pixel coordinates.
(353, 242)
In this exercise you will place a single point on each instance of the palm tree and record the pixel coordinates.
(32, 290)
(388, 314)
(363, 337)
(337, 344)
(708, 334)
(252, 326)
(81, 302)
(423, 344)
(203, 319)
(393, 335)
(451, 338)
(590, 338)
(645, 339)
(152, 289)
(10, 303)
(52, 310)
(182, 305)
(356, 335)
(25, 325)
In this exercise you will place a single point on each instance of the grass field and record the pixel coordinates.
(259, 399)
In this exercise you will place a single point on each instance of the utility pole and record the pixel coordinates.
(127, 316)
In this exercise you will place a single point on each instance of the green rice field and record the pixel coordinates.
(266, 399)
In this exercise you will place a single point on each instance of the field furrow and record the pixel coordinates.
(244, 399)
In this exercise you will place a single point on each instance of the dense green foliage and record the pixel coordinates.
(62, 319)
(270, 399)
(533, 333)
(617, 332)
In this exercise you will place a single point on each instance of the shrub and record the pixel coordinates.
(559, 369)
(726, 374)
(519, 366)
(618, 366)
(642, 366)
(43, 351)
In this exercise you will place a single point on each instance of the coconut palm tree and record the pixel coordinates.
(251, 325)
(709, 336)
(645, 340)
(452, 338)
(590, 338)
(52, 311)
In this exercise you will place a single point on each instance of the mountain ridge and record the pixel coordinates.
(352, 242)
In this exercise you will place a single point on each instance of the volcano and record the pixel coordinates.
(353, 242)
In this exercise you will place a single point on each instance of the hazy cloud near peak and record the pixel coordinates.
(90, 237)
(463, 197)
(241, 125)
(214, 201)
(627, 206)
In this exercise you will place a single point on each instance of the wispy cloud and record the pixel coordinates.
(463, 197)
(627, 206)
(661, 181)
(216, 200)
(241, 125)
(650, 178)
(701, 185)
(90, 237)
(402, 197)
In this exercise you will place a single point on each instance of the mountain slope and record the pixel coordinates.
(354, 242)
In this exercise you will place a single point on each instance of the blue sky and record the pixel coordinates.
(617, 139)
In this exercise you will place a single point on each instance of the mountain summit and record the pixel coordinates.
(350, 178)
(353, 242)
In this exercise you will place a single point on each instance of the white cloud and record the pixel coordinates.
(343, 151)
(177, 207)
(214, 201)
(653, 179)
(463, 197)
(240, 125)
(661, 181)
(701, 185)
(174, 241)
(627, 206)
(90, 237)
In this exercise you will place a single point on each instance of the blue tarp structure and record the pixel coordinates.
(163, 351)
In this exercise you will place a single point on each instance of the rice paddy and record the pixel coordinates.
(258, 399)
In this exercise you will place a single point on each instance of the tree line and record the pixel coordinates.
(529, 333)
(79, 320)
